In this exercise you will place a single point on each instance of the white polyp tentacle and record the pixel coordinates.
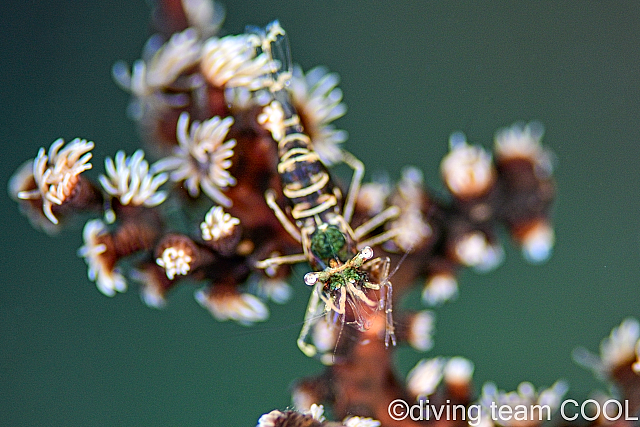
(175, 261)
(201, 158)
(130, 180)
(218, 224)
(56, 174)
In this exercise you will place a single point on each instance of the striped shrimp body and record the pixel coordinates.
(349, 285)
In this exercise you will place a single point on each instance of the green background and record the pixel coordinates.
(412, 73)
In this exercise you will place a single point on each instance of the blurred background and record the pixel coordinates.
(412, 73)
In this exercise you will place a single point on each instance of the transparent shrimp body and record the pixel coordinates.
(349, 285)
